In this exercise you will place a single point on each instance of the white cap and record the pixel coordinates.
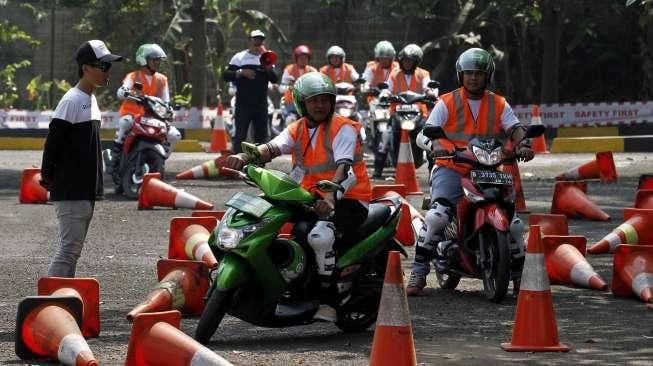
(256, 33)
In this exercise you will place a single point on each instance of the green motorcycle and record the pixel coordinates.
(271, 281)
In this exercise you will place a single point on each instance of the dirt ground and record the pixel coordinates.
(455, 327)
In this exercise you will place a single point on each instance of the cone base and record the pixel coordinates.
(560, 347)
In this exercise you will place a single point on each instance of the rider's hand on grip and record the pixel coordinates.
(237, 161)
(323, 208)
(525, 153)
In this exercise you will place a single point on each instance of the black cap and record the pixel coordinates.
(94, 50)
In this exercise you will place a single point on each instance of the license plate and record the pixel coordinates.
(491, 177)
(249, 203)
(407, 108)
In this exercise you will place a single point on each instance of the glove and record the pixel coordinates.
(237, 161)
(524, 151)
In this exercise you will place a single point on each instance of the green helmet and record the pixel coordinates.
(148, 51)
(336, 51)
(475, 59)
(384, 49)
(309, 85)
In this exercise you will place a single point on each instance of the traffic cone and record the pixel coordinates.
(550, 224)
(393, 337)
(210, 213)
(535, 328)
(645, 182)
(566, 263)
(539, 143)
(182, 286)
(601, 168)
(30, 189)
(154, 192)
(570, 199)
(520, 202)
(189, 239)
(636, 229)
(157, 341)
(219, 139)
(632, 267)
(379, 190)
(644, 199)
(208, 169)
(85, 289)
(405, 233)
(405, 169)
(47, 327)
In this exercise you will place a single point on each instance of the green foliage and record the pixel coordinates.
(8, 88)
(183, 98)
(38, 91)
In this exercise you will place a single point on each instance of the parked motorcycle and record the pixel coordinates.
(478, 241)
(272, 282)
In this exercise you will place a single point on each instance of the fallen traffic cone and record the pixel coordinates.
(182, 286)
(539, 142)
(550, 224)
(189, 239)
(219, 139)
(645, 182)
(405, 169)
(30, 189)
(520, 202)
(393, 337)
(87, 290)
(47, 327)
(570, 199)
(154, 192)
(636, 229)
(644, 199)
(379, 190)
(535, 328)
(208, 169)
(601, 168)
(210, 213)
(157, 341)
(566, 263)
(633, 271)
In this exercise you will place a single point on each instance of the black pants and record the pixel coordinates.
(258, 116)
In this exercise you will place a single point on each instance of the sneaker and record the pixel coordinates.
(416, 284)
(326, 313)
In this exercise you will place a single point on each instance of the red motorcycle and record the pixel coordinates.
(477, 241)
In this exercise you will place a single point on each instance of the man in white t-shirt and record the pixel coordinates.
(72, 161)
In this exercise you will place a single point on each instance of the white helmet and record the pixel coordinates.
(336, 51)
(384, 49)
(148, 51)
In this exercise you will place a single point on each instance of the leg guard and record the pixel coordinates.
(432, 232)
(517, 234)
(125, 124)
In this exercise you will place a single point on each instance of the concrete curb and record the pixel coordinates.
(36, 143)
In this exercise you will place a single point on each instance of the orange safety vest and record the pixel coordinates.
(380, 74)
(294, 71)
(153, 88)
(345, 73)
(399, 85)
(461, 127)
(317, 162)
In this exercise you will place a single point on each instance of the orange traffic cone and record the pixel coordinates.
(405, 234)
(550, 224)
(182, 286)
(379, 190)
(393, 337)
(636, 229)
(644, 199)
(645, 181)
(189, 239)
(47, 327)
(566, 263)
(405, 169)
(85, 289)
(208, 169)
(570, 199)
(211, 213)
(30, 189)
(154, 192)
(633, 271)
(219, 139)
(520, 202)
(602, 168)
(535, 328)
(539, 143)
(156, 340)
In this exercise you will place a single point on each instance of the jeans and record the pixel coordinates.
(74, 218)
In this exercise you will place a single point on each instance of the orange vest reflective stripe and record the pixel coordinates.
(460, 125)
(399, 81)
(345, 73)
(318, 163)
(295, 72)
(380, 74)
(153, 88)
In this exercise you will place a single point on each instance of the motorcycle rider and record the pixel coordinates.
(470, 110)
(148, 58)
(302, 56)
(379, 69)
(323, 145)
(336, 68)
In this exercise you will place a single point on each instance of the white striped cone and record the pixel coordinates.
(633, 271)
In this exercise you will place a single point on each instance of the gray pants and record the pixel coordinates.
(74, 218)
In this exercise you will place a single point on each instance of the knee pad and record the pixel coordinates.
(517, 234)
(437, 217)
(125, 124)
(321, 239)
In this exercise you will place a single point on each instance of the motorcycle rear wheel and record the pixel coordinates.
(212, 315)
(496, 277)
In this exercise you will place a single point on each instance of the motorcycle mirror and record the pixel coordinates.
(433, 84)
(434, 132)
(535, 131)
(382, 86)
(329, 186)
(138, 86)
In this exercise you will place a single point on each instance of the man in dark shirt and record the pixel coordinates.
(72, 162)
(251, 80)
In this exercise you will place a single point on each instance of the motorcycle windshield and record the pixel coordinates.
(411, 97)
(278, 185)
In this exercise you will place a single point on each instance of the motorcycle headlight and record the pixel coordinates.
(229, 238)
(345, 112)
(485, 157)
(408, 125)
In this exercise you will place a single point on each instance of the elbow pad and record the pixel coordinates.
(347, 183)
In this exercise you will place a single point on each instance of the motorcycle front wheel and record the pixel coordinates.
(212, 315)
(132, 179)
(496, 271)
(447, 281)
